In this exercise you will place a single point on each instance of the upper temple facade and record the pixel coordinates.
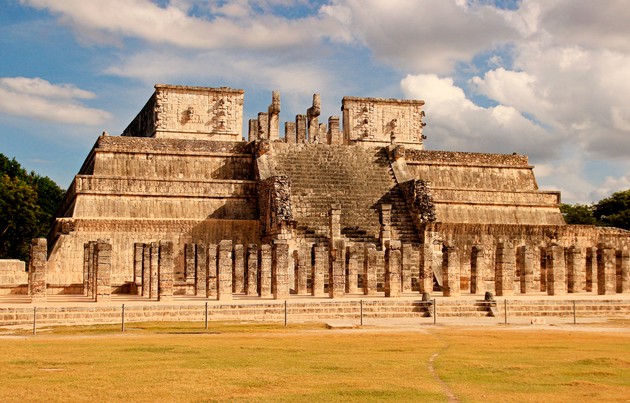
(341, 206)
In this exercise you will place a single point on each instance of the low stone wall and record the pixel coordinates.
(300, 311)
(13, 277)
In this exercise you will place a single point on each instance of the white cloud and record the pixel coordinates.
(36, 98)
(454, 122)
(235, 26)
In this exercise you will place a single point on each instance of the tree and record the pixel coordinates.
(578, 214)
(614, 211)
(28, 203)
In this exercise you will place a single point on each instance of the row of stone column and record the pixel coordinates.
(153, 276)
(602, 269)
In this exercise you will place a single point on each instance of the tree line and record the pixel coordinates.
(28, 202)
(612, 211)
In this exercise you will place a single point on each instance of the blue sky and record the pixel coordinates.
(546, 78)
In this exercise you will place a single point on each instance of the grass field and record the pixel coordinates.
(267, 362)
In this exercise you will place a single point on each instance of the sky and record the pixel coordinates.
(545, 78)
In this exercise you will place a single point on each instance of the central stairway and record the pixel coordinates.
(357, 179)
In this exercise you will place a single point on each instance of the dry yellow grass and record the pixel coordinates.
(180, 362)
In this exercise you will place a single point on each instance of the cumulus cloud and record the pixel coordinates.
(36, 98)
(234, 24)
(456, 123)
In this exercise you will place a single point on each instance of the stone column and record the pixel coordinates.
(252, 270)
(201, 271)
(280, 270)
(303, 268)
(426, 269)
(238, 285)
(265, 271)
(606, 281)
(353, 270)
(386, 225)
(289, 132)
(576, 269)
(37, 268)
(155, 261)
(263, 126)
(591, 269)
(525, 262)
(334, 134)
(370, 270)
(166, 272)
(300, 124)
(224, 271)
(313, 119)
(450, 272)
(146, 270)
(138, 250)
(103, 256)
(556, 271)
(212, 280)
(504, 269)
(92, 270)
(86, 267)
(393, 267)
(477, 270)
(623, 271)
(190, 252)
(407, 267)
(273, 112)
(253, 129)
(336, 275)
(319, 270)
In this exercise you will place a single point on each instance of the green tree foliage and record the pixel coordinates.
(579, 214)
(27, 206)
(614, 211)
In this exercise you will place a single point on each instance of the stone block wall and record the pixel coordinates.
(13, 277)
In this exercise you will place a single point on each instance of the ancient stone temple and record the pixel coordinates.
(182, 204)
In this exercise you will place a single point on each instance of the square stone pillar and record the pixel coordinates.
(289, 132)
(556, 270)
(450, 272)
(263, 126)
(212, 280)
(154, 265)
(319, 270)
(337, 274)
(300, 124)
(386, 225)
(238, 285)
(274, 116)
(280, 270)
(103, 256)
(352, 279)
(370, 271)
(87, 256)
(253, 129)
(393, 268)
(623, 271)
(37, 270)
(251, 284)
(190, 257)
(334, 135)
(478, 268)
(303, 268)
(224, 270)
(576, 269)
(201, 270)
(146, 269)
(265, 271)
(505, 265)
(525, 263)
(591, 270)
(138, 251)
(166, 272)
(407, 267)
(606, 276)
(426, 269)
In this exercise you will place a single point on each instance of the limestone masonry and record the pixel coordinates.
(181, 204)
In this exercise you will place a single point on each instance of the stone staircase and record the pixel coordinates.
(356, 179)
